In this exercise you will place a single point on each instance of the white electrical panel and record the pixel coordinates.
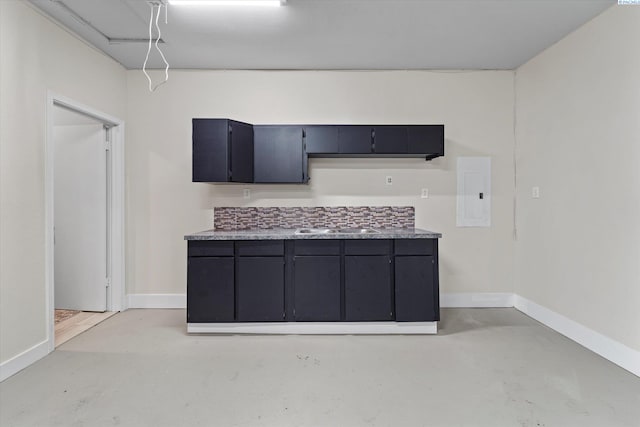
(474, 192)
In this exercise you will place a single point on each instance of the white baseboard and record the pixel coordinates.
(316, 328)
(612, 350)
(24, 359)
(157, 301)
(476, 300)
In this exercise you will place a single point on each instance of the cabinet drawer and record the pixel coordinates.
(367, 247)
(210, 248)
(317, 247)
(260, 247)
(414, 246)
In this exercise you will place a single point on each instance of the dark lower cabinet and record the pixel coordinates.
(210, 289)
(416, 295)
(316, 288)
(309, 280)
(368, 288)
(260, 289)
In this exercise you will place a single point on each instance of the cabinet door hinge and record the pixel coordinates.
(108, 282)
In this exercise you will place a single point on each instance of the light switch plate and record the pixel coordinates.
(246, 193)
(424, 193)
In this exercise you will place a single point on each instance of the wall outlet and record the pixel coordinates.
(246, 193)
(388, 180)
(424, 193)
(535, 192)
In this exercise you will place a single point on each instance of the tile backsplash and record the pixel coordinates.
(228, 218)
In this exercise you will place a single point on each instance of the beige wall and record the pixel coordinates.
(163, 204)
(578, 138)
(36, 55)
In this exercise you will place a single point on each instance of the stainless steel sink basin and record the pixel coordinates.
(335, 231)
(357, 230)
(314, 230)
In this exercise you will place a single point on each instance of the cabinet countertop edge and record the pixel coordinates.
(289, 234)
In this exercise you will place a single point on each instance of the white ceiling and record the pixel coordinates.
(331, 34)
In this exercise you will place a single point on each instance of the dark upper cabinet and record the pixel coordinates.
(321, 139)
(390, 139)
(278, 154)
(230, 151)
(222, 151)
(426, 139)
(354, 139)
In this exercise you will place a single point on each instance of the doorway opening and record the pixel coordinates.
(85, 218)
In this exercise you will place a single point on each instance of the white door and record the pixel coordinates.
(80, 217)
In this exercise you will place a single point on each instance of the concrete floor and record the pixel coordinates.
(487, 367)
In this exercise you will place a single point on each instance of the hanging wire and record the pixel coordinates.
(152, 7)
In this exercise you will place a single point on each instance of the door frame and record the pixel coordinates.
(115, 293)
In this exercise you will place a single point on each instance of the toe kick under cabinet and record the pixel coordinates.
(313, 286)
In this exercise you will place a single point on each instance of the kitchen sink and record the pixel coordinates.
(357, 230)
(335, 231)
(315, 230)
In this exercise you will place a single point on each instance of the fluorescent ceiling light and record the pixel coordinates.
(227, 2)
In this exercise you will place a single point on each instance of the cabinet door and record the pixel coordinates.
(278, 154)
(210, 161)
(368, 289)
(354, 139)
(241, 152)
(428, 139)
(317, 288)
(260, 289)
(210, 294)
(321, 139)
(390, 139)
(415, 289)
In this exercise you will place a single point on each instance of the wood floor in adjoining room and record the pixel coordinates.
(486, 367)
(70, 323)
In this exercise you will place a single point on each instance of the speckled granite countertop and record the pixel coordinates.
(286, 234)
